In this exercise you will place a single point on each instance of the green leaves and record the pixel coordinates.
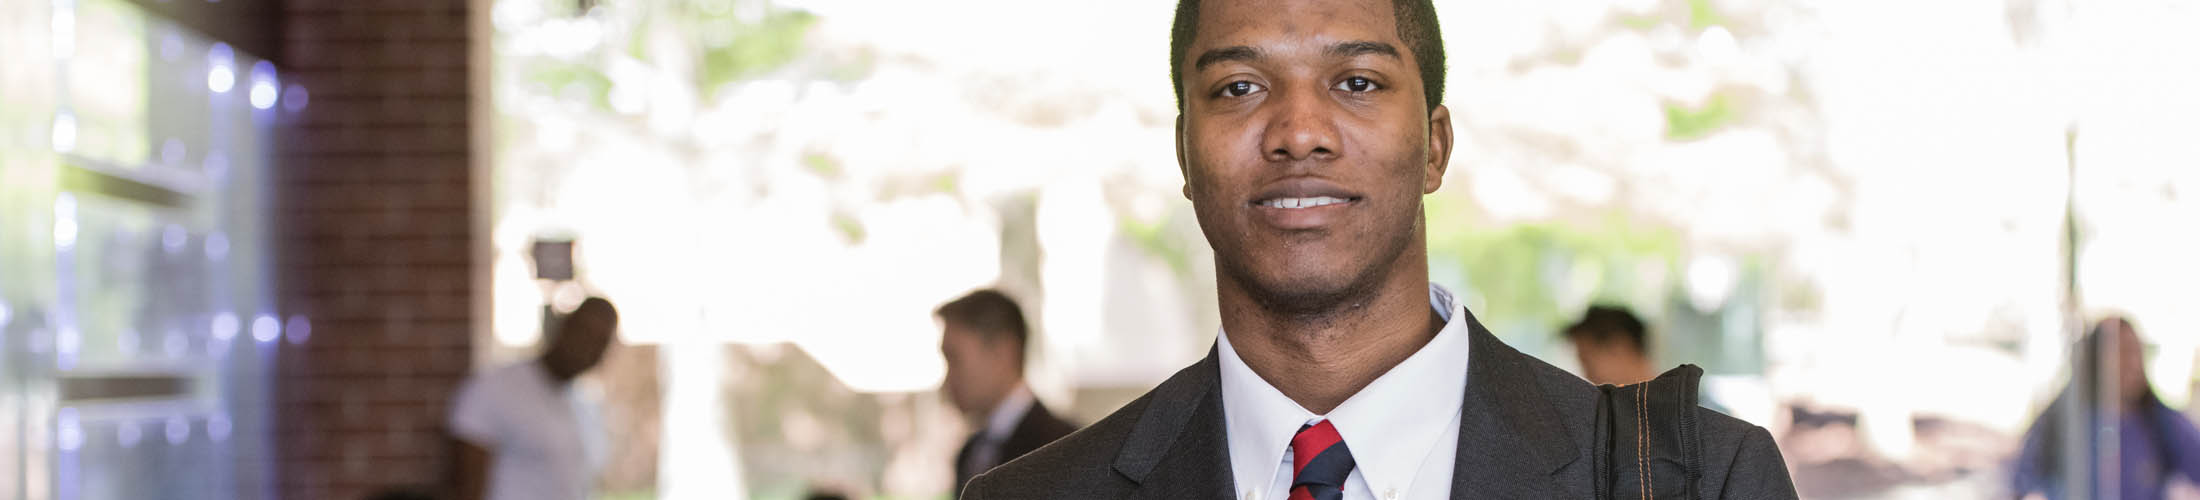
(749, 50)
(1683, 124)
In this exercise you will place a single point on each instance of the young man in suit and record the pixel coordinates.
(1309, 131)
(982, 338)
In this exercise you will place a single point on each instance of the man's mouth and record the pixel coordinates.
(1303, 203)
(1307, 202)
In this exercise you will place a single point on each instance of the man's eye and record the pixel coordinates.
(1240, 89)
(1357, 84)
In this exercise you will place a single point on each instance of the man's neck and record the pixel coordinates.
(1643, 370)
(999, 404)
(1320, 364)
(550, 370)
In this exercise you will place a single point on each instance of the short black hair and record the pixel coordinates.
(1416, 20)
(1609, 323)
(591, 307)
(596, 305)
(989, 313)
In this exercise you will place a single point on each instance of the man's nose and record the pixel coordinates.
(1303, 126)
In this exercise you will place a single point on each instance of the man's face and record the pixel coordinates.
(2131, 375)
(1607, 361)
(978, 372)
(1306, 144)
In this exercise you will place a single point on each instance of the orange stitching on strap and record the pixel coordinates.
(1642, 438)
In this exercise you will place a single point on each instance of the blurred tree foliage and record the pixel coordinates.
(718, 41)
(1701, 14)
(1684, 124)
(1537, 275)
(744, 49)
(1157, 239)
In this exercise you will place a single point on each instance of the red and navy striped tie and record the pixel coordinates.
(1319, 463)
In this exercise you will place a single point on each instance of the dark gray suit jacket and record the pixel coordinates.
(1524, 432)
(1038, 428)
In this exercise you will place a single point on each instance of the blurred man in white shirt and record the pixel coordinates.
(523, 432)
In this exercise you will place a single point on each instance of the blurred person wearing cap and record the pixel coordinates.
(2154, 444)
(523, 431)
(982, 337)
(1613, 346)
(1308, 133)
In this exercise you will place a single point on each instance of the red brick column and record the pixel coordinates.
(377, 237)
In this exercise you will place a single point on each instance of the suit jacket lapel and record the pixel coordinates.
(1179, 449)
(962, 464)
(1511, 440)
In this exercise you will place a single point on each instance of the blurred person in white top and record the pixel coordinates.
(523, 432)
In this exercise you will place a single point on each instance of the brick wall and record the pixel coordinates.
(376, 227)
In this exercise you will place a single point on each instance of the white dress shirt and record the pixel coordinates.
(545, 436)
(1402, 429)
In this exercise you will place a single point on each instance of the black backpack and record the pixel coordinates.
(1647, 442)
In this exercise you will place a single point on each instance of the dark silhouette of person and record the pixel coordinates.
(2154, 443)
(520, 431)
(983, 336)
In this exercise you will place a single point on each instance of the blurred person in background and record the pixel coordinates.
(2154, 445)
(400, 494)
(983, 338)
(522, 431)
(1308, 133)
(1613, 346)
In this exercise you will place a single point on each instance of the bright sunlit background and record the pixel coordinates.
(1876, 224)
(1867, 211)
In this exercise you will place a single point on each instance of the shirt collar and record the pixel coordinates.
(1391, 424)
(1010, 412)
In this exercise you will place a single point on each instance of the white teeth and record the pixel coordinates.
(1301, 202)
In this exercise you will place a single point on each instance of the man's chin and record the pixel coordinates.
(1308, 296)
(1305, 280)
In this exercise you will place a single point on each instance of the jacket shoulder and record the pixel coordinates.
(1740, 459)
(1082, 461)
(1038, 427)
(1052, 426)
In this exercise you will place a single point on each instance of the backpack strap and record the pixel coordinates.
(1646, 438)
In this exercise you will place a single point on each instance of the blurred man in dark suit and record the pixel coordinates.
(1308, 132)
(983, 337)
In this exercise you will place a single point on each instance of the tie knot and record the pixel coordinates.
(1319, 461)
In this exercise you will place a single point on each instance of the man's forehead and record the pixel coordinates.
(1293, 22)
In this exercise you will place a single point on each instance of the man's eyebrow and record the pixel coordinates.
(1360, 47)
(1231, 53)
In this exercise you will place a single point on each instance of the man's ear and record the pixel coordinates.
(1439, 148)
(1182, 168)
